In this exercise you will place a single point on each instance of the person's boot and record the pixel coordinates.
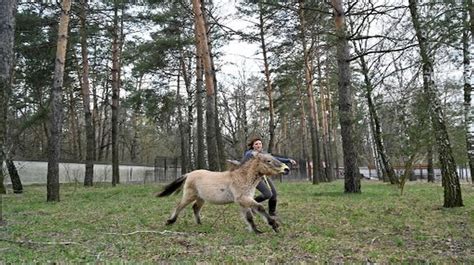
(272, 204)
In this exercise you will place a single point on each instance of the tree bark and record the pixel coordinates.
(85, 88)
(188, 128)
(303, 129)
(203, 49)
(200, 156)
(7, 35)
(351, 169)
(15, 178)
(182, 133)
(74, 131)
(56, 106)
(450, 179)
(115, 97)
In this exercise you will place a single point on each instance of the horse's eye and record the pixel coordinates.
(269, 161)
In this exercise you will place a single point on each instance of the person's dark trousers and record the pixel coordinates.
(268, 192)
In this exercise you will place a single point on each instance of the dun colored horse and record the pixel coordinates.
(237, 185)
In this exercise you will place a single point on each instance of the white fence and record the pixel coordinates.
(35, 173)
(463, 173)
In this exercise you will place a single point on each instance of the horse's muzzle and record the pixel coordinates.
(286, 171)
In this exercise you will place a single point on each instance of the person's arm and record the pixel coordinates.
(247, 156)
(285, 160)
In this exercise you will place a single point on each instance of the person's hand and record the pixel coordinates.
(293, 162)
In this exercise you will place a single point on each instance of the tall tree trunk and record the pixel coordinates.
(203, 49)
(135, 145)
(7, 34)
(468, 55)
(221, 157)
(268, 81)
(324, 99)
(189, 124)
(377, 130)
(303, 129)
(182, 133)
(351, 169)
(74, 135)
(104, 130)
(95, 112)
(115, 97)
(332, 141)
(57, 105)
(200, 156)
(450, 179)
(219, 140)
(313, 111)
(90, 134)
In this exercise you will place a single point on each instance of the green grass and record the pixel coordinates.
(318, 223)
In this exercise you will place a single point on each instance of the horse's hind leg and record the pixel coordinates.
(183, 203)
(197, 209)
(248, 216)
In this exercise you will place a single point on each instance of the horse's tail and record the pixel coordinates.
(172, 187)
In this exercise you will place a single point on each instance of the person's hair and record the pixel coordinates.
(252, 141)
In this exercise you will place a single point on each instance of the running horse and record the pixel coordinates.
(235, 185)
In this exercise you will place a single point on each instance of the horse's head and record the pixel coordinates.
(269, 165)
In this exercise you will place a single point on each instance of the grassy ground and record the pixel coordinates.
(319, 223)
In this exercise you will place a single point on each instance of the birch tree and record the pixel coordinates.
(450, 179)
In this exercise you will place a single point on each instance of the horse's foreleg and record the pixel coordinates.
(183, 203)
(248, 202)
(197, 210)
(248, 216)
(270, 220)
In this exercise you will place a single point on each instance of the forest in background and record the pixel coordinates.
(385, 84)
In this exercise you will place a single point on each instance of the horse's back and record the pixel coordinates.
(211, 186)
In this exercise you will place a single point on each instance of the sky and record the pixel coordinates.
(236, 55)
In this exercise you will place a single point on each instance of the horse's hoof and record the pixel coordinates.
(170, 221)
(275, 227)
(273, 222)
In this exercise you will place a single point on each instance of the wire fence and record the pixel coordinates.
(167, 169)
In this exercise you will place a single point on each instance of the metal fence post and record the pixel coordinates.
(166, 169)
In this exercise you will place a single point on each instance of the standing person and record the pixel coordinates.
(266, 187)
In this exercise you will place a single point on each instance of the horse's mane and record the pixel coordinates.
(247, 166)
